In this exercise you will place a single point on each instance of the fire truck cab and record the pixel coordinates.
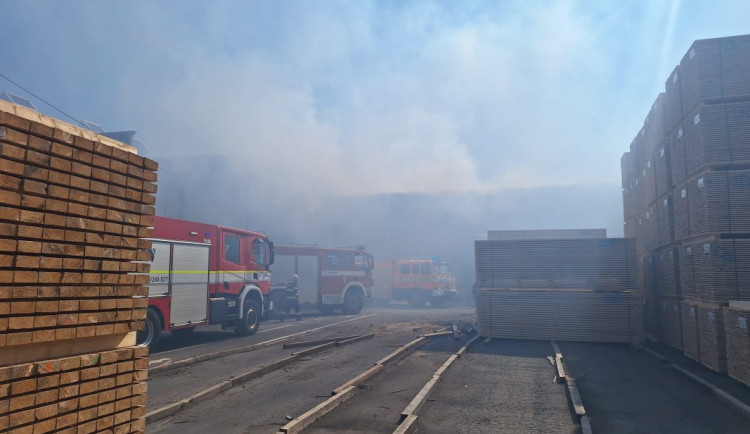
(417, 281)
(329, 278)
(206, 274)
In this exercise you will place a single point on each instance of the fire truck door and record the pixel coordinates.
(282, 270)
(189, 284)
(383, 281)
(161, 257)
(307, 269)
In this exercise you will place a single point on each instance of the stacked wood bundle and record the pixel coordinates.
(702, 194)
(736, 320)
(561, 315)
(86, 393)
(690, 346)
(665, 275)
(75, 208)
(579, 289)
(605, 264)
(670, 321)
(712, 337)
(546, 234)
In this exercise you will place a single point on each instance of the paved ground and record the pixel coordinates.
(262, 405)
(378, 404)
(501, 387)
(631, 392)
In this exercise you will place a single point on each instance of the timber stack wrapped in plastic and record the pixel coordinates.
(75, 211)
(575, 289)
(699, 154)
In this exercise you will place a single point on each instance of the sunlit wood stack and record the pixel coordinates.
(578, 289)
(693, 172)
(75, 208)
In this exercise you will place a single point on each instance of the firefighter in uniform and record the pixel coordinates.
(292, 297)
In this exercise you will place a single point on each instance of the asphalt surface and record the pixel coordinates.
(501, 387)
(504, 386)
(378, 405)
(262, 405)
(626, 391)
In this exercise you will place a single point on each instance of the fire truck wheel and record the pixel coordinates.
(251, 319)
(352, 303)
(437, 301)
(417, 298)
(151, 332)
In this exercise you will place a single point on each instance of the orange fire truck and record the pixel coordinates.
(329, 278)
(417, 281)
(206, 274)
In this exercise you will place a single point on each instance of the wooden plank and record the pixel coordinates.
(359, 379)
(315, 342)
(420, 399)
(408, 425)
(575, 397)
(355, 339)
(53, 350)
(314, 349)
(62, 127)
(320, 410)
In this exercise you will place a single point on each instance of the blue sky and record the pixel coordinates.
(352, 97)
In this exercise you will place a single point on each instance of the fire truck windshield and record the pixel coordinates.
(441, 267)
(260, 252)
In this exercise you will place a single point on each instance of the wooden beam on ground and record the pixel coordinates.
(316, 342)
(320, 410)
(439, 334)
(408, 425)
(355, 339)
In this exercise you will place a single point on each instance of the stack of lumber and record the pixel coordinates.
(605, 264)
(546, 234)
(665, 214)
(651, 317)
(663, 169)
(670, 322)
(560, 315)
(736, 320)
(712, 337)
(579, 289)
(702, 191)
(87, 393)
(690, 346)
(75, 208)
(715, 202)
(716, 270)
(665, 271)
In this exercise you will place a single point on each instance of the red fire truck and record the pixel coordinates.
(329, 278)
(206, 274)
(414, 280)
